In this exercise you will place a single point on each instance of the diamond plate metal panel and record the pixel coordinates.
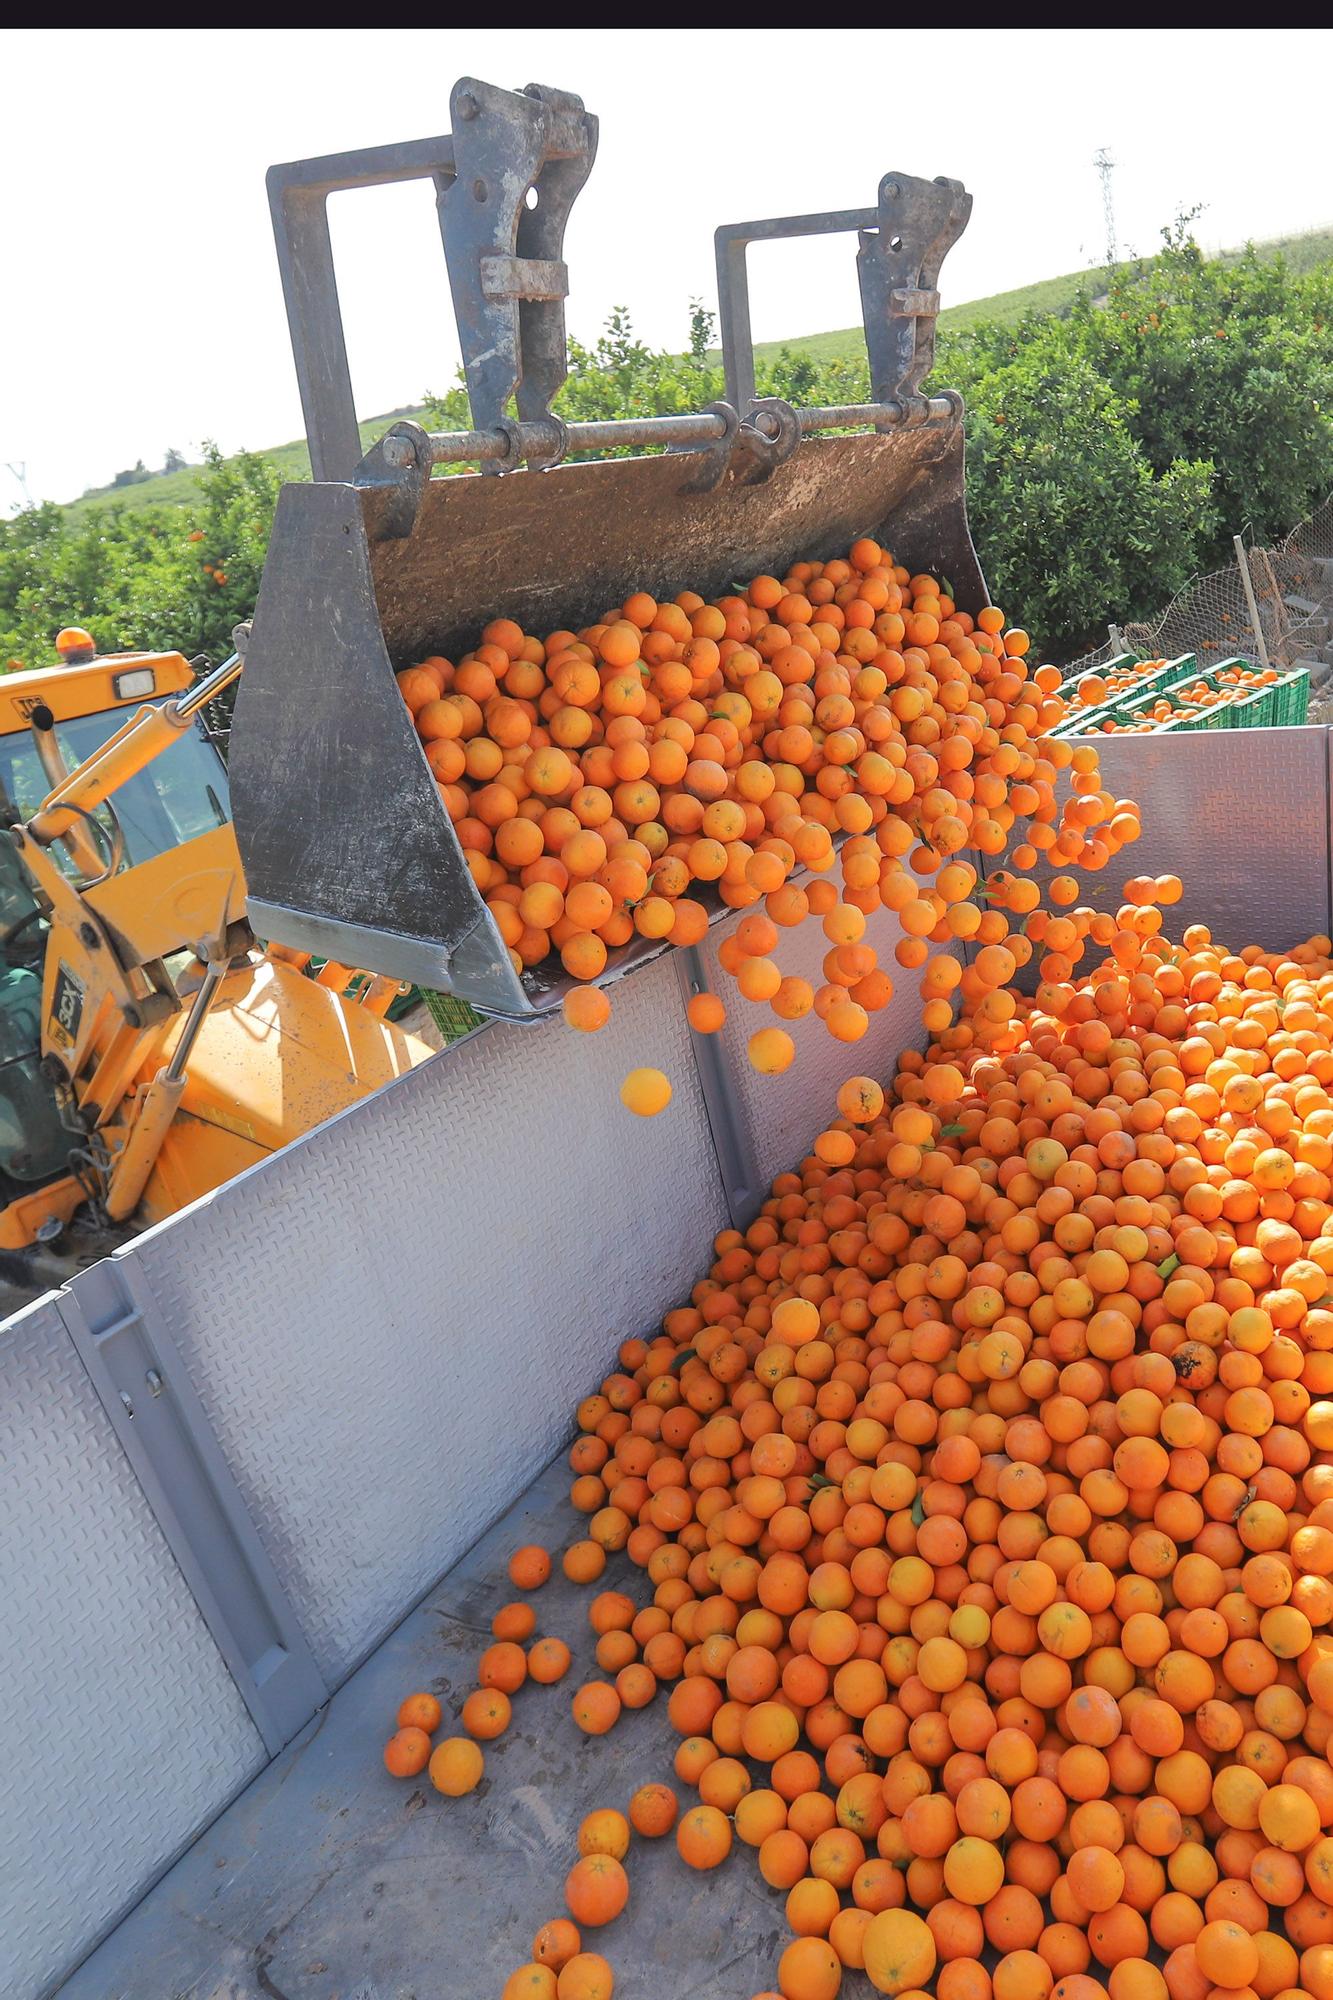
(121, 1732)
(781, 1114)
(328, 1880)
(388, 1324)
(430, 1281)
(1241, 815)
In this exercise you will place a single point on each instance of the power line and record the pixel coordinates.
(1105, 166)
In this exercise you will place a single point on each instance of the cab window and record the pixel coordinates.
(180, 795)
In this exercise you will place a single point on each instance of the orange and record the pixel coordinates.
(645, 1092)
(586, 1976)
(406, 1753)
(530, 1982)
(1226, 1954)
(556, 1943)
(548, 1660)
(771, 1051)
(596, 1890)
(703, 1836)
(596, 1708)
(583, 1562)
(586, 1008)
(605, 1832)
(503, 1665)
(420, 1711)
(529, 1567)
(486, 1713)
(809, 1969)
(652, 1810)
(514, 1621)
(456, 1766)
(706, 1013)
(899, 1950)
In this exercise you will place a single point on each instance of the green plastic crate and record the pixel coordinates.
(1164, 676)
(1180, 725)
(1281, 705)
(1082, 724)
(1153, 683)
(453, 1017)
(1185, 673)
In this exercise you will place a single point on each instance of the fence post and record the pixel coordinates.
(1243, 566)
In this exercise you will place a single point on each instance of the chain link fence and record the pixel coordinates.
(1211, 617)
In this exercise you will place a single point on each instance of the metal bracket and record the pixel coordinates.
(396, 470)
(533, 278)
(543, 449)
(505, 258)
(519, 162)
(122, 1339)
(769, 433)
(903, 243)
(898, 263)
(716, 457)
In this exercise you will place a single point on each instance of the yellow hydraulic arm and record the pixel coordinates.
(113, 949)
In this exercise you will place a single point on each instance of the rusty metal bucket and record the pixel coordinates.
(347, 848)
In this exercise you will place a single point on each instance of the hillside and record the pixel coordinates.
(1302, 252)
(292, 461)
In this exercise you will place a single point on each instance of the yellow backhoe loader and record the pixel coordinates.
(150, 1047)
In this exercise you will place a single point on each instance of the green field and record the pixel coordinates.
(1302, 252)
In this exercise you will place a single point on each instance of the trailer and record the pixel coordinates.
(262, 1469)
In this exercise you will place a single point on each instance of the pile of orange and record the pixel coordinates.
(598, 781)
(985, 1492)
(984, 1486)
(984, 1489)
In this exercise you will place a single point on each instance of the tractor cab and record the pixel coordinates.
(51, 720)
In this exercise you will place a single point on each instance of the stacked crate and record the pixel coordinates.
(1280, 703)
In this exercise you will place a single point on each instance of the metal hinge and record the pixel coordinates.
(142, 1383)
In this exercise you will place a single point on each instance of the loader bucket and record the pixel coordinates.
(348, 849)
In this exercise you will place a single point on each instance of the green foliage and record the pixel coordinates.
(138, 577)
(1231, 362)
(1074, 526)
(1195, 401)
(618, 376)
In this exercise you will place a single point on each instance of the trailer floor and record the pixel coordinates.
(328, 1880)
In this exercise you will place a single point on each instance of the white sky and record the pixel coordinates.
(141, 300)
